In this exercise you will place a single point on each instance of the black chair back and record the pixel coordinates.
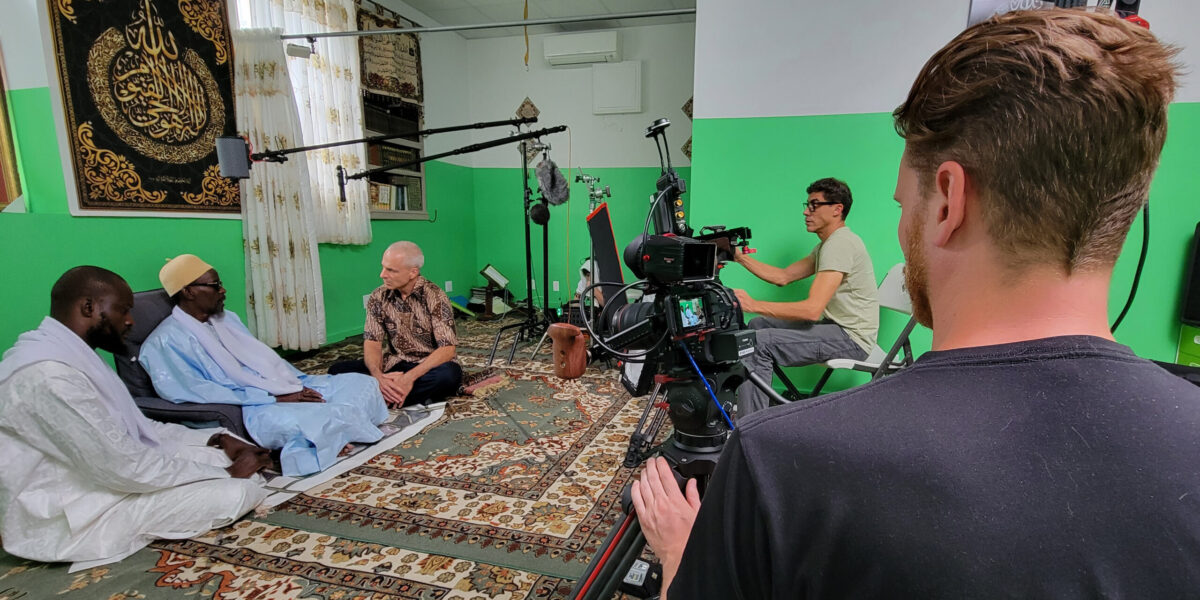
(149, 309)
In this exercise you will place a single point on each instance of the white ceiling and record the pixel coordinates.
(471, 12)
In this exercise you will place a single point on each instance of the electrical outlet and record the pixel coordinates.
(449, 286)
(556, 286)
(365, 298)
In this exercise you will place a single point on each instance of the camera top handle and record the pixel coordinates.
(667, 210)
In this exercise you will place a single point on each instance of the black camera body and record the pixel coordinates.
(687, 333)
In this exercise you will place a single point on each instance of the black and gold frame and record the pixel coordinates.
(147, 88)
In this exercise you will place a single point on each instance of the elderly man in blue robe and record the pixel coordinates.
(203, 353)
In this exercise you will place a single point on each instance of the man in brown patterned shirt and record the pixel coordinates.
(409, 337)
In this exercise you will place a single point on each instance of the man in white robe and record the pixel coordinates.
(87, 477)
(203, 353)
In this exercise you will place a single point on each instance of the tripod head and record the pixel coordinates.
(595, 192)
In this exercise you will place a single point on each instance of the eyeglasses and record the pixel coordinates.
(216, 285)
(813, 204)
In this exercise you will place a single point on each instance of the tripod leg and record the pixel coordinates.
(516, 342)
(539, 345)
(612, 562)
(495, 344)
(496, 341)
(643, 436)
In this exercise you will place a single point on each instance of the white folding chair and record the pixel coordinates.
(892, 296)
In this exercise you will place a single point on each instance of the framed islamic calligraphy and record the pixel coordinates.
(147, 87)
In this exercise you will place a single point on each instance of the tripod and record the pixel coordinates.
(689, 456)
(535, 323)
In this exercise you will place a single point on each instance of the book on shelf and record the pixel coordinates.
(380, 196)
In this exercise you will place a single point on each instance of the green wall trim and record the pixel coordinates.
(748, 171)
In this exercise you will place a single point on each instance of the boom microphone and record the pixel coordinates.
(341, 177)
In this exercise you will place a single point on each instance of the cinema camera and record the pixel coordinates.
(685, 341)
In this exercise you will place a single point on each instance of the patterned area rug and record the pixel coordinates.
(508, 495)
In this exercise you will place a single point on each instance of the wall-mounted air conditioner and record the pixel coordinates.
(581, 48)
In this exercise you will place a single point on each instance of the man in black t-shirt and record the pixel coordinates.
(1028, 454)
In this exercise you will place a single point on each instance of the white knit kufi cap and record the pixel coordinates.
(180, 271)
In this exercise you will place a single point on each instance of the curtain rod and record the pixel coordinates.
(635, 15)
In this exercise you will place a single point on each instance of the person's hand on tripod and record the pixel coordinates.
(666, 514)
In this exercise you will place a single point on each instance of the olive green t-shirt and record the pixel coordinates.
(855, 303)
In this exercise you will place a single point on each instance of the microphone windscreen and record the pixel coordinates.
(539, 213)
(553, 185)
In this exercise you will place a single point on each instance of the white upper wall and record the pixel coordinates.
(444, 64)
(1178, 22)
(499, 81)
(481, 80)
(22, 45)
(765, 58)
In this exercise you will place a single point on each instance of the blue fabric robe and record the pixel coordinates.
(309, 435)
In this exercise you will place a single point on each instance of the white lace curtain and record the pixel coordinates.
(285, 305)
(329, 99)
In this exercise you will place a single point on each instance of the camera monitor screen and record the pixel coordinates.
(691, 313)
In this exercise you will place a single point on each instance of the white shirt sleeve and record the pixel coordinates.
(185, 436)
(58, 412)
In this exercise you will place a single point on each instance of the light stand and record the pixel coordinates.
(596, 194)
(535, 323)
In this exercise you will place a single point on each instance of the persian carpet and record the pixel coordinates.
(508, 495)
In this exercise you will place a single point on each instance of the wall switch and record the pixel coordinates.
(365, 298)
(449, 286)
(533, 283)
(556, 286)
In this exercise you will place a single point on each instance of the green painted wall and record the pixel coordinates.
(36, 247)
(751, 172)
(501, 230)
(754, 171)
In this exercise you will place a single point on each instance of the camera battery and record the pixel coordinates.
(643, 579)
(729, 346)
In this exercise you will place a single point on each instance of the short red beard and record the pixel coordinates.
(916, 275)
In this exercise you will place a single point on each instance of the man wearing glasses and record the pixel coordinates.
(203, 353)
(840, 316)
